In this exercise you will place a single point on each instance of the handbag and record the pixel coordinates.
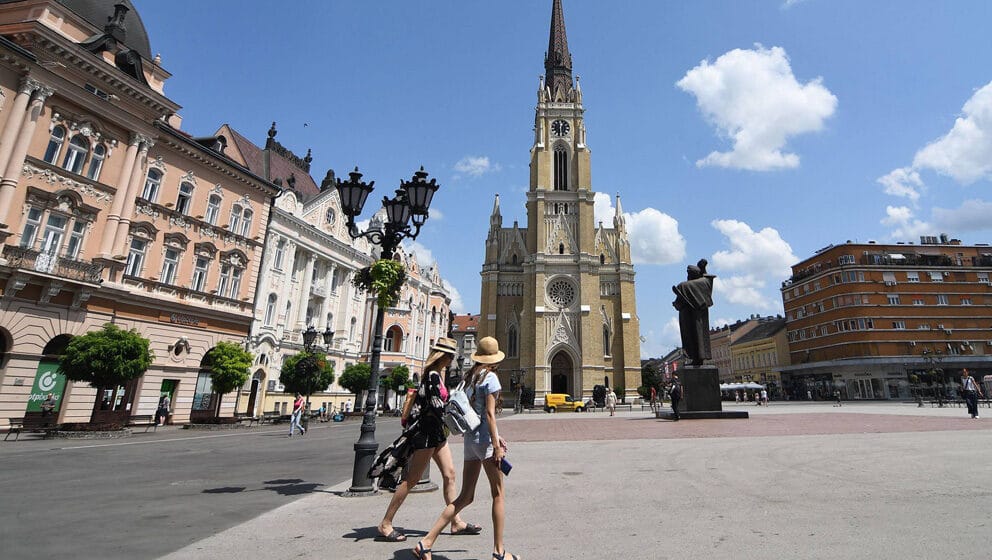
(459, 416)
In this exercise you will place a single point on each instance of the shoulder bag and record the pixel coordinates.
(459, 416)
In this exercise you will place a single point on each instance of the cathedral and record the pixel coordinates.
(558, 293)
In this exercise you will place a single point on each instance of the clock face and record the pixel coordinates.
(559, 128)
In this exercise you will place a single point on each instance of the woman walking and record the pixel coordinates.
(611, 401)
(484, 450)
(297, 416)
(425, 437)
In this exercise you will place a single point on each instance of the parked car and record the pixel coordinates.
(554, 402)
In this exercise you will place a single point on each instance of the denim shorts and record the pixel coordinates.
(478, 451)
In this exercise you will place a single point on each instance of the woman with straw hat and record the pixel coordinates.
(425, 437)
(480, 452)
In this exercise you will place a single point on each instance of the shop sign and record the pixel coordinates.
(184, 319)
(47, 380)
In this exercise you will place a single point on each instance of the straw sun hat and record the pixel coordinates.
(488, 351)
(443, 346)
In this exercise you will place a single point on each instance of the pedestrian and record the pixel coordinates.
(611, 401)
(347, 406)
(971, 391)
(764, 397)
(484, 449)
(425, 438)
(162, 412)
(48, 405)
(676, 394)
(654, 398)
(809, 395)
(737, 395)
(294, 421)
(837, 397)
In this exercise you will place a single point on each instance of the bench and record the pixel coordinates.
(146, 420)
(30, 425)
(245, 417)
(270, 417)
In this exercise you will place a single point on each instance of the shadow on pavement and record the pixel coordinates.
(225, 490)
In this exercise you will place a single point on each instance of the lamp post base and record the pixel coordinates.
(365, 453)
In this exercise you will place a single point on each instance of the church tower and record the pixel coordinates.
(558, 294)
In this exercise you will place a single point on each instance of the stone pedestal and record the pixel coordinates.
(701, 395)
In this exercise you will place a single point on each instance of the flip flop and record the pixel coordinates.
(419, 550)
(497, 556)
(468, 529)
(393, 536)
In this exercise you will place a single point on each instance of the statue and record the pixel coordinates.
(693, 298)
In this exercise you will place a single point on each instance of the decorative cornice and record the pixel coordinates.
(32, 171)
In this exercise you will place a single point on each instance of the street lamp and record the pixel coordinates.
(933, 360)
(310, 361)
(406, 212)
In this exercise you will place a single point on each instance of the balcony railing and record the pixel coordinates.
(62, 267)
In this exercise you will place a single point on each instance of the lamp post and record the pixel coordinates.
(310, 362)
(933, 360)
(406, 213)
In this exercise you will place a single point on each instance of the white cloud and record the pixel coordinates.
(905, 223)
(972, 215)
(965, 152)
(756, 260)
(436, 214)
(753, 98)
(424, 256)
(790, 3)
(904, 181)
(457, 305)
(476, 166)
(654, 235)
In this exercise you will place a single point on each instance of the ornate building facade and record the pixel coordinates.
(112, 214)
(558, 294)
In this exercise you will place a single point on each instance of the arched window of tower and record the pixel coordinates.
(561, 168)
(561, 248)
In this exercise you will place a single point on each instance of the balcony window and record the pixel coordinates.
(135, 257)
(54, 232)
(899, 325)
(152, 184)
(893, 299)
(31, 226)
(200, 269)
(170, 265)
(75, 155)
(912, 276)
(965, 301)
(96, 162)
(941, 299)
(185, 198)
(246, 217)
(213, 210)
(75, 239)
(55, 142)
(936, 276)
(225, 280)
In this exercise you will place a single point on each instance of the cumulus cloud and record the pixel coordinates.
(654, 235)
(756, 259)
(753, 99)
(965, 152)
(904, 181)
(906, 225)
(457, 305)
(972, 215)
(476, 166)
(424, 256)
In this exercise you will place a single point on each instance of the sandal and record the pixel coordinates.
(419, 551)
(468, 529)
(497, 556)
(393, 536)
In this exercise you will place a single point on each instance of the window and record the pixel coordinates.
(225, 280)
(296, 266)
(918, 301)
(561, 168)
(351, 329)
(170, 265)
(246, 222)
(270, 310)
(280, 254)
(75, 155)
(55, 145)
(152, 183)
(912, 276)
(889, 278)
(899, 325)
(200, 268)
(606, 340)
(31, 225)
(334, 281)
(330, 216)
(941, 299)
(936, 276)
(213, 209)
(75, 239)
(893, 299)
(315, 275)
(54, 232)
(511, 341)
(185, 198)
(136, 257)
(983, 277)
(965, 301)
(240, 220)
(96, 162)
(235, 282)
(824, 330)
(845, 259)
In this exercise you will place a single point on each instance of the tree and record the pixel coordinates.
(108, 357)
(651, 374)
(229, 364)
(315, 373)
(399, 377)
(355, 379)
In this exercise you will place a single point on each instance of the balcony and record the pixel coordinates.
(53, 265)
(318, 290)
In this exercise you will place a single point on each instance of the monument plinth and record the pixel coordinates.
(701, 396)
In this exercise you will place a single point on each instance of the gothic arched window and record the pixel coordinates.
(561, 168)
(606, 340)
(561, 248)
(511, 341)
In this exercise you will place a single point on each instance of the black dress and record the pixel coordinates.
(425, 430)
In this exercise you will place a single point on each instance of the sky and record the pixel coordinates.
(748, 133)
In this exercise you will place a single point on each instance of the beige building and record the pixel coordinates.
(721, 340)
(558, 294)
(760, 354)
(112, 214)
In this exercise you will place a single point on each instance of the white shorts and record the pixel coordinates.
(478, 451)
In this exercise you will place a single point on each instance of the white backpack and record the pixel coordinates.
(459, 415)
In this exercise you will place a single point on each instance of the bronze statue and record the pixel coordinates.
(693, 298)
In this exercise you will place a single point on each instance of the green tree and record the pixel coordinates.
(651, 374)
(399, 377)
(229, 364)
(355, 379)
(107, 357)
(315, 374)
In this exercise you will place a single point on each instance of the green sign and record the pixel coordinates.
(47, 380)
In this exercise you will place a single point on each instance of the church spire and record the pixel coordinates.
(558, 61)
(496, 219)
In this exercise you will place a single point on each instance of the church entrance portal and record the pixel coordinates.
(561, 373)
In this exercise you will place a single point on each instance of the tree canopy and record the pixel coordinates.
(399, 377)
(229, 365)
(355, 378)
(107, 357)
(315, 375)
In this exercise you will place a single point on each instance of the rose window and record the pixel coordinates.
(561, 292)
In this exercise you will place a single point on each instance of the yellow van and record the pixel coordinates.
(554, 402)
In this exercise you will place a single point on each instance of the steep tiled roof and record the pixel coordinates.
(279, 166)
(465, 323)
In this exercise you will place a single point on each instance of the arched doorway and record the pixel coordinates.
(256, 384)
(561, 373)
(204, 398)
(47, 380)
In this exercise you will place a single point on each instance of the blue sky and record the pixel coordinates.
(749, 133)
